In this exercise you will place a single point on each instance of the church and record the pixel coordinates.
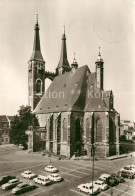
(75, 111)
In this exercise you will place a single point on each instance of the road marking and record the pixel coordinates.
(123, 191)
(128, 186)
(90, 166)
(22, 169)
(74, 170)
(7, 194)
(77, 192)
(70, 174)
(38, 192)
(42, 172)
(79, 167)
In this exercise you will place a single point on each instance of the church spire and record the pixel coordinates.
(63, 65)
(36, 54)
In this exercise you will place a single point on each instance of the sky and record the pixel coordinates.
(88, 25)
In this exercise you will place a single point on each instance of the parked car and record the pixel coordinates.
(127, 174)
(51, 168)
(5, 179)
(11, 184)
(23, 187)
(118, 177)
(100, 184)
(28, 174)
(87, 188)
(43, 180)
(132, 166)
(128, 168)
(104, 177)
(55, 178)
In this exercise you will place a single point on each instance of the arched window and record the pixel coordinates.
(88, 133)
(39, 86)
(65, 129)
(99, 131)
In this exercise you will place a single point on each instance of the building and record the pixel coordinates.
(127, 128)
(5, 125)
(75, 111)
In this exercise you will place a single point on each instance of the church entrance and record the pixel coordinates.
(59, 134)
(78, 136)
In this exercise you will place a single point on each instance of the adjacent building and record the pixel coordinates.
(5, 125)
(75, 111)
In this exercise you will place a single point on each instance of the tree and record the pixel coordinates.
(20, 124)
(122, 138)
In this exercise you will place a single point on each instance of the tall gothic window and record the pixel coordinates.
(88, 133)
(65, 129)
(77, 130)
(99, 131)
(38, 86)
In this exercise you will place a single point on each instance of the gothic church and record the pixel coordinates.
(75, 111)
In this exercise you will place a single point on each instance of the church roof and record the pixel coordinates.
(73, 91)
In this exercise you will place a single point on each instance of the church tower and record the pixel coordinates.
(99, 72)
(36, 72)
(63, 65)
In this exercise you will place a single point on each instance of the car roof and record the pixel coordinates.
(50, 166)
(55, 174)
(23, 183)
(27, 171)
(14, 180)
(44, 177)
(99, 181)
(105, 175)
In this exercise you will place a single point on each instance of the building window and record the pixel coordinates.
(39, 86)
(5, 125)
(99, 131)
(65, 129)
(6, 139)
(77, 130)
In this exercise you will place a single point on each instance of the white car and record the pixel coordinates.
(87, 188)
(132, 166)
(43, 180)
(128, 168)
(104, 177)
(51, 168)
(100, 184)
(55, 178)
(28, 174)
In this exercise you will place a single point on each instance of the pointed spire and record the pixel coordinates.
(63, 62)
(99, 59)
(74, 64)
(36, 54)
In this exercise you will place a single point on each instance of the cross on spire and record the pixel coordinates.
(74, 55)
(99, 51)
(37, 16)
(64, 28)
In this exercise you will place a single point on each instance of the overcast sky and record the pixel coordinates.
(89, 24)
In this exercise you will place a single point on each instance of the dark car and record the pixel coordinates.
(127, 174)
(5, 179)
(11, 184)
(117, 177)
(23, 187)
(112, 182)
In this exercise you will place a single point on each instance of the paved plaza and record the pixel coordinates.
(13, 161)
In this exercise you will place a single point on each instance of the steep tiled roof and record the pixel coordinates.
(74, 91)
(11, 118)
(67, 87)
